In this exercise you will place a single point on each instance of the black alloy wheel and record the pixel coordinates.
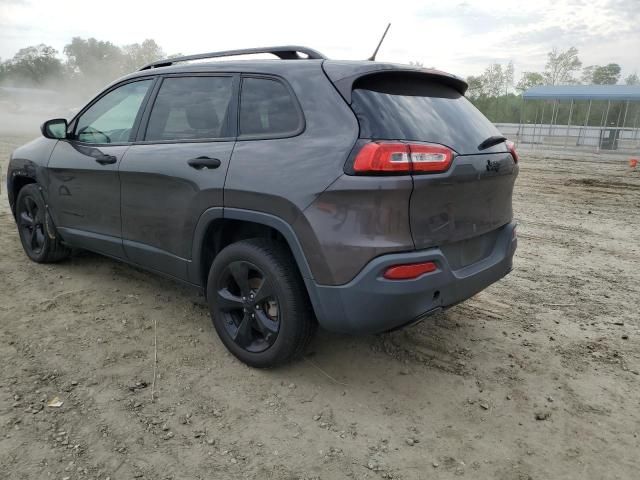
(249, 305)
(38, 235)
(259, 304)
(31, 224)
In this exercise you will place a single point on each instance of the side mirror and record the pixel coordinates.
(55, 129)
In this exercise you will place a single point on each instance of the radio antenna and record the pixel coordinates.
(373, 57)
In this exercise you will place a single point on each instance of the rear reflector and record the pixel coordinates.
(409, 271)
(512, 149)
(380, 157)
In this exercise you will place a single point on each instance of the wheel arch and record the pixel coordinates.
(14, 185)
(256, 224)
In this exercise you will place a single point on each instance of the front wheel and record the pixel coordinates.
(259, 305)
(31, 218)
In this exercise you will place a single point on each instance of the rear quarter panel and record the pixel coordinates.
(357, 219)
(283, 176)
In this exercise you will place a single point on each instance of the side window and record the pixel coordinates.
(190, 108)
(267, 108)
(111, 118)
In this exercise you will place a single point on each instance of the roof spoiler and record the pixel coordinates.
(288, 52)
(345, 74)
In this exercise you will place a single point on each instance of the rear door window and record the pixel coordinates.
(268, 109)
(190, 108)
(402, 107)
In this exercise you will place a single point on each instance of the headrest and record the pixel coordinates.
(202, 116)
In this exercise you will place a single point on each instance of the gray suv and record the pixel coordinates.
(358, 195)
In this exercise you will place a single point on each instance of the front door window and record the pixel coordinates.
(111, 119)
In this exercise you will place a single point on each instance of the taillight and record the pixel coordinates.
(409, 271)
(381, 157)
(430, 158)
(512, 149)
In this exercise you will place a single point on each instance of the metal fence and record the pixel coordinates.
(575, 137)
(595, 118)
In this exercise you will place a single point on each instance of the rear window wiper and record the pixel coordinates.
(491, 141)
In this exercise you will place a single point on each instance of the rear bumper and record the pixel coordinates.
(372, 304)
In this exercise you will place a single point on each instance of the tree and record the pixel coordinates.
(508, 77)
(493, 80)
(529, 80)
(476, 86)
(587, 74)
(632, 79)
(137, 55)
(416, 64)
(34, 64)
(561, 66)
(94, 59)
(601, 74)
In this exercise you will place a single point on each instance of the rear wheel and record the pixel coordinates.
(31, 219)
(258, 302)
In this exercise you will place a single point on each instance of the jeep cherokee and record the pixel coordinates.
(359, 195)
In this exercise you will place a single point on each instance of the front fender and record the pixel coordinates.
(29, 161)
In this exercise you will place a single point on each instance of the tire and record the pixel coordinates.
(274, 293)
(31, 219)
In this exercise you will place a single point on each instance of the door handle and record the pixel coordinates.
(204, 162)
(106, 159)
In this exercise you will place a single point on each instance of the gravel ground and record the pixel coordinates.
(536, 377)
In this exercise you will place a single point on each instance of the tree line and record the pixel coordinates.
(87, 63)
(562, 68)
(496, 94)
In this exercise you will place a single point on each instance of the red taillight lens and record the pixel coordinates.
(409, 271)
(512, 149)
(380, 157)
(383, 157)
(430, 158)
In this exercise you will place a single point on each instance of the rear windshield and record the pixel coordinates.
(394, 107)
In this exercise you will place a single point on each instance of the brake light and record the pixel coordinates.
(430, 158)
(512, 149)
(409, 271)
(380, 157)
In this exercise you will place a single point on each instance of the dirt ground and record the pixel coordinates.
(535, 378)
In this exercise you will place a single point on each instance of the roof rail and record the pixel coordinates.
(289, 52)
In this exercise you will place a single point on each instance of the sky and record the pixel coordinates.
(460, 36)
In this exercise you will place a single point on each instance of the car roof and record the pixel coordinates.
(343, 73)
(241, 66)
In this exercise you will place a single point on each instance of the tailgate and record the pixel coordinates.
(461, 207)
